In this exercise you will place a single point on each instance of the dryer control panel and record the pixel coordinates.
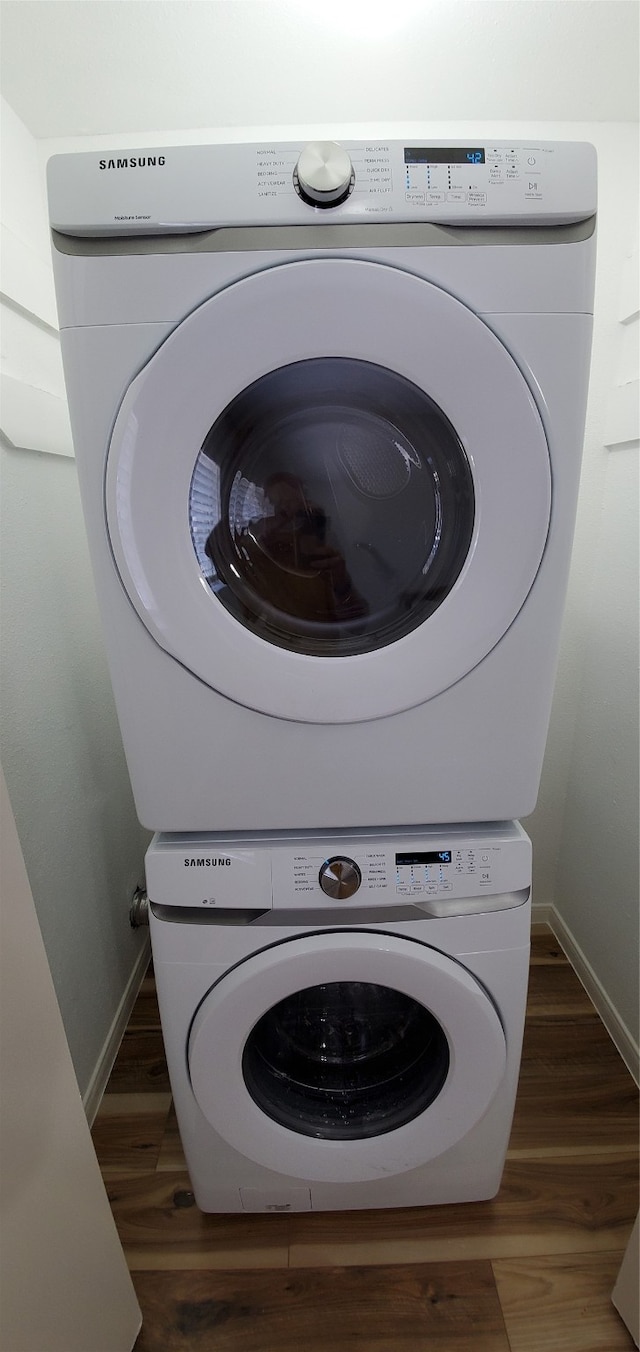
(182, 189)
(440, 867)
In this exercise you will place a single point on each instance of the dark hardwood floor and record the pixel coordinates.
(531, 1270)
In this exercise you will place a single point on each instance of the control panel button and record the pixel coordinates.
(324, 175)
(339, 878)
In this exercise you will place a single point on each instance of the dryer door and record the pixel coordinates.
(328, 493)
(345, 1055)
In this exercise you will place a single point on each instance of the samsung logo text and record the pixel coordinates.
(133, 162)
(206, 862)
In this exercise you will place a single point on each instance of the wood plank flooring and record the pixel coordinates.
(532, 1269)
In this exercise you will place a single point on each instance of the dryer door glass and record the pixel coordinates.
(332, 507)
(329, 459)
(345, 1061)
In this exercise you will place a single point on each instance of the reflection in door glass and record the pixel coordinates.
(345, 1061)
(332, 507)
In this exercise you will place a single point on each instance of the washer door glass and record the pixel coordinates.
(345, 1055)
(345, 1061)
(332, 507)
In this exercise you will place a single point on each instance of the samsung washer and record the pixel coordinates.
(342, 1014)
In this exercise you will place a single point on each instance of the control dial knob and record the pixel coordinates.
(324, 174)
(340, 878)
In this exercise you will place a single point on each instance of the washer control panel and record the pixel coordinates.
(437, 871)
(296, 871)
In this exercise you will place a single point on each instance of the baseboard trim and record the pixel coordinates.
(616, 1028)
(92, 1097)
(541, 913)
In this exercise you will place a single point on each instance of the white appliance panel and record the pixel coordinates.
(274, 320)
(199, 757)
(227, 1015)
(446, 870)
(178, 188)
(222, 977)
(472, 753)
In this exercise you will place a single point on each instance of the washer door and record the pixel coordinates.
(345, 1055)
(328, 493)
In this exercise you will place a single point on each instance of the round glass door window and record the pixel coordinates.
(331, 507)
(345, 1061)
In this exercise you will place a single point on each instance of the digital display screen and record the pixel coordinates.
(443, 155)
(424, 857)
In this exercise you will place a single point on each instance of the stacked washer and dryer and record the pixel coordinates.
(328, 405)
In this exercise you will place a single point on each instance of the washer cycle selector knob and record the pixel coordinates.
(340, 878)
(324, 175)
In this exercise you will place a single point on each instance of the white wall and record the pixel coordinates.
(60, 742)
(76, 67)
(33, 409)
(62, 754)
(597, 874)
(585, 827)
(596, 892)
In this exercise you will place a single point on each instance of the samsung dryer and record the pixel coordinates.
(328, 408)
(342, 1014)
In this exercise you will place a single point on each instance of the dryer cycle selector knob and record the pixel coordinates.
(324, 175)
(340, 878)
